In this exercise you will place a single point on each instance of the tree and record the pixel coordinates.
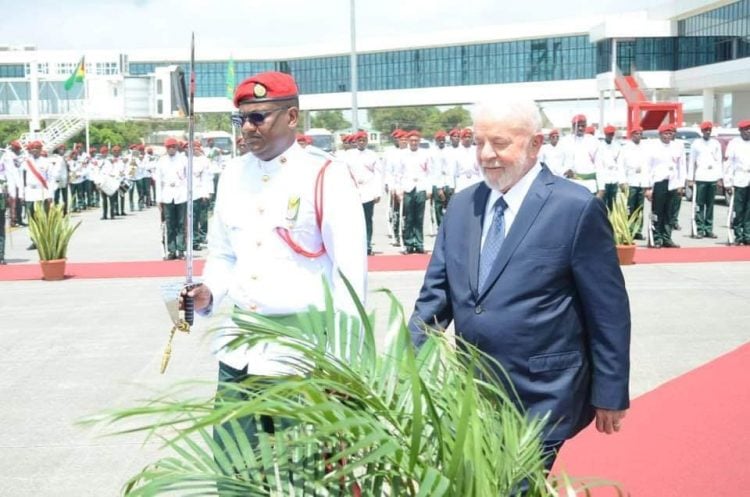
(331, 120)
(455, 117)
(12, 130)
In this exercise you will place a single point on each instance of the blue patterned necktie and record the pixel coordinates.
(493, 242)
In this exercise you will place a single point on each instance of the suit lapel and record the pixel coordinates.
(481, 194)
(529, 210)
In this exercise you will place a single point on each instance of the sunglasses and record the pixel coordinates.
(256, 118)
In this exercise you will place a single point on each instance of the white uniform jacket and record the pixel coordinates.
(36, 189)
(737, 166)
(553, 156)
(367, 171)
(414, 171)
(607, 162)
(667, 161)
(248, 260)
(705, 162)
(634, 163)
(467, 167)
(170, 177)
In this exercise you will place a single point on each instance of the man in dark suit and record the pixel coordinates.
(525, 266)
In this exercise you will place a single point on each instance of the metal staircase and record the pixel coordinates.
(641, 111)
(59, 132)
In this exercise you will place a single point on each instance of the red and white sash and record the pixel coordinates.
(36, 173)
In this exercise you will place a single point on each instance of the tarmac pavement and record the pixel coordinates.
(75, 348)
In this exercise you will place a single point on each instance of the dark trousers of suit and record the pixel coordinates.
(741, 222)
(368, 208)
(174, 217)
(635, 200)
(663, 206)
(414, 219)
(705, 191)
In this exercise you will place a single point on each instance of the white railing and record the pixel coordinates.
(59, 131)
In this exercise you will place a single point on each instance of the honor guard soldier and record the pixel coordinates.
(202, 184)
(666, 173)
(633, 162)
(285, 221)
(704, 171)
(414, 185)
(171, 195)
(3, 204)
(35, 175)
(608, 173)
(579, 163)
(467, 167)
(737, 181)
(443, 176)
(59, 177)
(13, 164)
(107, 180)
(367, 171)
(552, 154)
(392, 167)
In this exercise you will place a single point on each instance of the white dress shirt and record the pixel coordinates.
(414, 171)
(737, 166)
(553, 156)
(634, 161)
(367, 171)
(467, 167)
(171, 179)
(667, 161)
(705, 160)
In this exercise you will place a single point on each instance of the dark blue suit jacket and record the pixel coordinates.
(555, 312)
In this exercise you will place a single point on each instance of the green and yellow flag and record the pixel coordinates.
(77, 77)
(230, 78)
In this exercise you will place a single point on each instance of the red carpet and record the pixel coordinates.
(146, 269)
(687, 438)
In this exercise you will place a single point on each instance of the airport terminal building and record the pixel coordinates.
(681, 49)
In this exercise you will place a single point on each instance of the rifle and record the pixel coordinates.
(730, 221)
(651, 228)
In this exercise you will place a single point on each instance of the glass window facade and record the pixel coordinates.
(715, 36)
(12, 71)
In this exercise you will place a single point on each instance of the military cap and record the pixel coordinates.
(744, 124)
(266, 87)
(667, 127)
(707, 125)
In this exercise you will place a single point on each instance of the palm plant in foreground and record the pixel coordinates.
(433, 422)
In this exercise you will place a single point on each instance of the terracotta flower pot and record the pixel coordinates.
(625, 254)
(53, 270)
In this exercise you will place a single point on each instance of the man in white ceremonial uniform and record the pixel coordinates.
(666, 171)
(443, 176)
(367, 171)
(12, 161)
(171, 195)
(106, 175)
(202, 185)
(703, 172)
(285, 220)
(58, 176)
(467, 167)
(552, 154)
(633, 163)
(392, 160)
(35, 176)
(76, 179)
(737, 180)
(579, 159)
(415, 188)
(609, 176)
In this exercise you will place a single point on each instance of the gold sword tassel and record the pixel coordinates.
(182, 326)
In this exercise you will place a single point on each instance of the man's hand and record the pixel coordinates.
(600, 193)
(201, 294)
(648, 194)
(569, 174)
(376, 200)
(608, 421)
(441, 194)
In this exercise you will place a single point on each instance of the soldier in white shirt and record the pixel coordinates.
(107, 179)
(415, 188)
(737, 181)
(467, 167)
(367, 171)
(285, 220)
(3, 205)
(392, 164)
(202, 184)
(633, 164)
(552, 154)
(171, 196)
(579, 159)
(35, 176)
(666, 172)
(12, 161)
(608, 173)
(443, 176)
(704, 171)
(59, 177)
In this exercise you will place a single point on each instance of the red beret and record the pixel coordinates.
(609, 129)
(440, 134)
(15, 144)
(266, 87)
(744, 124)
(667, 127)
(466, 132)
(707, 125)
(359, 135)
(34, 144)
(554, 132)
(170, 142)
(590, 130)
(396, 133)
(578, 118)
(299, 137)
(308, 140)
(140, 147)
(454, 132)
(414, 133)
(116, 148)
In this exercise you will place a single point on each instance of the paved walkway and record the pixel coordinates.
(74, 348)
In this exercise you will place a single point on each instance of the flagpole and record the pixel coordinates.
(86, 104)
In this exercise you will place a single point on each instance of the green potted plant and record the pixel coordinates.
(50, 230)
(432, 422)
(624, 227)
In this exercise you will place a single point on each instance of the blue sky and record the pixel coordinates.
(128, 24)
